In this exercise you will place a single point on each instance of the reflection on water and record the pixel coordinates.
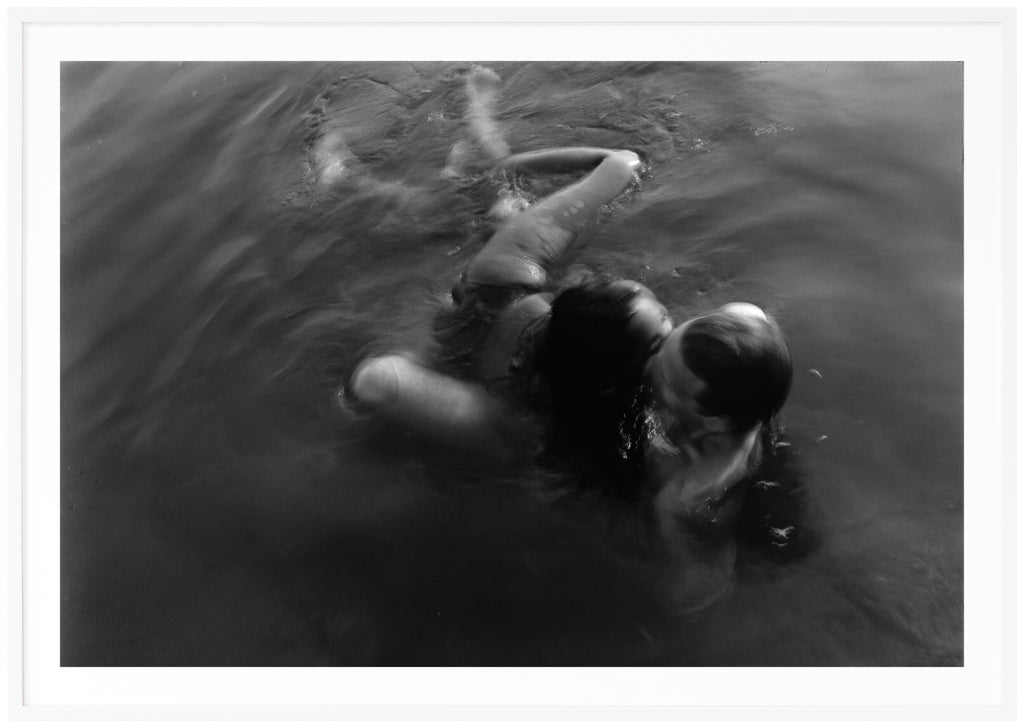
(235, 236)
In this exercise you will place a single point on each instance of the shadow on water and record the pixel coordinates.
(236, 236)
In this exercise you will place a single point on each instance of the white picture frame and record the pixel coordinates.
(984, 688)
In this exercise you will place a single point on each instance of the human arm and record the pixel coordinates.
(695, 529)
(699, 485)
(562, 159)
(698, 494)
(522, 250)
(442, 409)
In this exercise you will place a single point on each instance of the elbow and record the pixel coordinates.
(620, 168)
(629, 159)
(375, 383)
(629, 156)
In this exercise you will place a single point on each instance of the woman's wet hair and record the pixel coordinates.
(593, 353)
(744, 364)
(592, 357)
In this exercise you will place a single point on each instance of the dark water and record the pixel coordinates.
(217, 508)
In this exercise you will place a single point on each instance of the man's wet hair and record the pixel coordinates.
(744, 363)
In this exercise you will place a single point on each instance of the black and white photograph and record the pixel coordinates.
(482, 363)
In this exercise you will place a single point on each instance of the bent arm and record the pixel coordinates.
(442, 409)
(522, 250)
(699, 545)
(557, 159)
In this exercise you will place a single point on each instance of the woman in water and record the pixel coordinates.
(670, 419)
(494, 337)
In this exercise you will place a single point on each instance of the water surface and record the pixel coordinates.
(217, 509)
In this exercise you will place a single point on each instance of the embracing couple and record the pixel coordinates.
(596, 376)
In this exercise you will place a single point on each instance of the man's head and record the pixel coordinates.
(725, 371)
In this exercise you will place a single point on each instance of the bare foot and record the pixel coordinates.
(332, 159)
(482, 86)
(458, 160)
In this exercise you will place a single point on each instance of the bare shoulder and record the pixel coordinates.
(530, 307)
(499, 347)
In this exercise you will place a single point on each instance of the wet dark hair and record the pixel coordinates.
(592, 356)
(744, 363)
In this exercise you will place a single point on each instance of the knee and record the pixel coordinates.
(375, 381)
